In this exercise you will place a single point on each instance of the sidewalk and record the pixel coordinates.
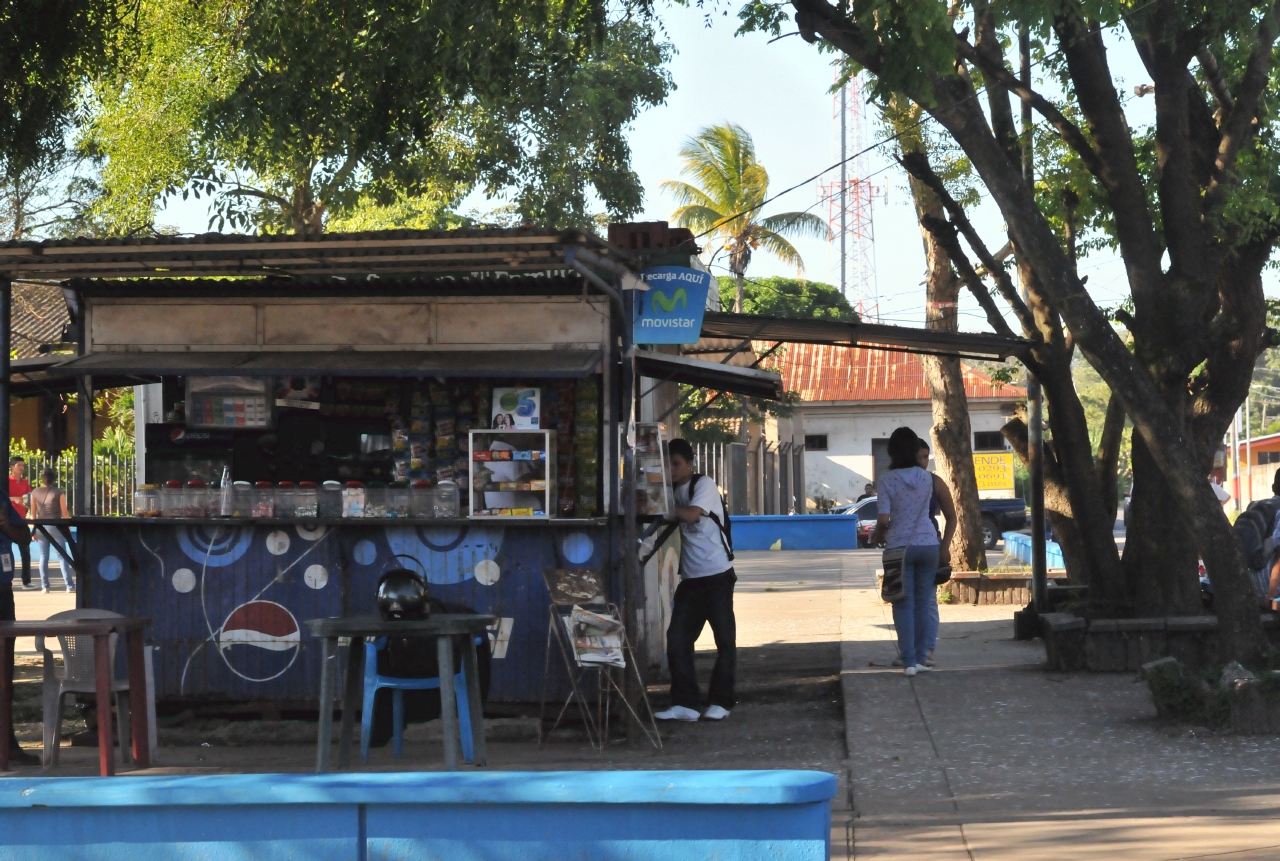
(991, 757)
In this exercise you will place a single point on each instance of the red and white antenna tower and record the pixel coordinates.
(849, 202)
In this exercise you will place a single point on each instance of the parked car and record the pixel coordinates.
(998, 516)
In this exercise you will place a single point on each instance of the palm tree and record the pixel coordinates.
(731, 189)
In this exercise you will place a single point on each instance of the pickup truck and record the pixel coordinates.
(998, 516)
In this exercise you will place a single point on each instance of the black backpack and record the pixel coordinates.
(1253, 530)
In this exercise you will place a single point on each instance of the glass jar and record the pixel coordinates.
(330, 499)
(353, 499)
(308, 500)
(375, 499)
(241, 499)
(264, 499)
(446, 500)
(286, 499)
(146, 501)
(421, 499)
(173, 499)
(197, 498)
(397, 499)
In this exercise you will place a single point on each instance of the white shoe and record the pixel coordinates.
(928, 658)
(897, 662)
(715, 713)
(678, 713)
(44, 589)
(921, 668)
(71, 588)
(909, 671)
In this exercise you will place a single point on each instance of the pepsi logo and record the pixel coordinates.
(259, 640)
(177, 435)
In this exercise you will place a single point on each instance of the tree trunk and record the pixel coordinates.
(739, 278)
(1159, 549)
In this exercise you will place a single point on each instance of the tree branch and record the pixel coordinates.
(944, 232)
(1109, 449)
(1217, 84)
(253, 192)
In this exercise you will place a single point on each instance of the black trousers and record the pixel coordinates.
(24, 550)
(8, 613)
(699, 601)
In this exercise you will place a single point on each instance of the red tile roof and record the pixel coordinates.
(824, 373)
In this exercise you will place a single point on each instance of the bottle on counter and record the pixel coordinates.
(353, 499)
(242, 499)
(397, 499)
(446, 500)
(308, 500)
(225, 501)
(196, 499)
(286, 499)
(329, 503)
(421, 499)
(375, 499)
(173, 499)
(146, 501)
(264, 499)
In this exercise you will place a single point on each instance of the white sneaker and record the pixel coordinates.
(71, 588)
(44, 589)
(921, 668)
(928, 658)
(897, 662)
(678, 713)
(909, 671)
(715, 713)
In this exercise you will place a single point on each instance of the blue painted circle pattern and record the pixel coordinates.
(365, 552)
(110, 568)
(214, 546)
(577, 547)
(445, 554)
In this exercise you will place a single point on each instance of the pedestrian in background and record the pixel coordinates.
(19, 493)
(903, 521)
(48, 502)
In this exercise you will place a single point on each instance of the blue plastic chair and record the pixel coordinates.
(373, 681)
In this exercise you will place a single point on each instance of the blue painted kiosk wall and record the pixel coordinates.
(227, 602)
(532, 816)
(796, 531)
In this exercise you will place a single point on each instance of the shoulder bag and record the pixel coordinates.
(891, 589)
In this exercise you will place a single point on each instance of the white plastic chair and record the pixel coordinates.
(77, 677)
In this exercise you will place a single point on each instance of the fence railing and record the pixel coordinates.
(710, 459)
(115, 477)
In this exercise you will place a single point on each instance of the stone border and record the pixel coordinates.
(986, 587)
(1124, 645)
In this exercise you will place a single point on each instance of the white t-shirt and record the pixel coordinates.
(702, 551)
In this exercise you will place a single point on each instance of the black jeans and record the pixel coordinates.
(24, 550)
(698, 601)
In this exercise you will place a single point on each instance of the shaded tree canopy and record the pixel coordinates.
(788, 297)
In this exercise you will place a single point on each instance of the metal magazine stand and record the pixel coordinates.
(582, 588)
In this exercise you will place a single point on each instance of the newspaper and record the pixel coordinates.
(596, 638)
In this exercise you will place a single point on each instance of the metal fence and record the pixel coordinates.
(115, 477)
(711, 459)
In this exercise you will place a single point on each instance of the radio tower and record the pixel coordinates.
(849, 203)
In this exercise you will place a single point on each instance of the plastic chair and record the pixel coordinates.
(373, 681)
(77, 677)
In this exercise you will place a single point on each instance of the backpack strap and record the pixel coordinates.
(724, 536)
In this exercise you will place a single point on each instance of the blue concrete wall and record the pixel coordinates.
(796, 531)
(1018, 545)
(533, 816)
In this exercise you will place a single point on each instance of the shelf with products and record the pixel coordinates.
(653, 482)
(512, 473)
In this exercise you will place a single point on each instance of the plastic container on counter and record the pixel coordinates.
(264, 499)
(329, 502)
(375, 499)
(173, 499)
(286, 499)
(353, 496)
(398, 499)
(221, 502)
(146, 501)
(445, 502)
(241, 499)
(421, 499)
(308, 500)
(197, 499)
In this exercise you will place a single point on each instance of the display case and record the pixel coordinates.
(229, 402)
(512, 473)
(653, 481)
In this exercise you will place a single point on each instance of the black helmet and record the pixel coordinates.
(402, 594)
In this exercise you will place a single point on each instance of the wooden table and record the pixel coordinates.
(101, 631)
(350, 633)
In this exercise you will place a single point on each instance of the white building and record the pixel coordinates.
(853, 399)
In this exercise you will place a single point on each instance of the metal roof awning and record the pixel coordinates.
(709, 375)
(353, 363)
(937, 342)
(29, 378)
(375, 253)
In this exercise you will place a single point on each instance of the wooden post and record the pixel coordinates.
(84, 448)
(102, 691)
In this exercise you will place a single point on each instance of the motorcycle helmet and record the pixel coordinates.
(402, 595)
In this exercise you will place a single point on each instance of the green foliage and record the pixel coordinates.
(788, 297)
(728, 191)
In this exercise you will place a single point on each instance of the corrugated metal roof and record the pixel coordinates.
(821, 372)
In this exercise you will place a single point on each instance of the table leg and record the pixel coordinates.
(6, 701)
(138, 713)
(102, 690)
(472, 665)
(352, 696)
(328, 674)
(448, 702)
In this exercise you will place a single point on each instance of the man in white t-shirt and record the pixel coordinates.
(705, 593)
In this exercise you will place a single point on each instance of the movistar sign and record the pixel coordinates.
(670, 311)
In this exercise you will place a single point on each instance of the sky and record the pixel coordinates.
(780, 93)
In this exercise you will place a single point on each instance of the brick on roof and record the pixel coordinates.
(38, 317)
(825, 373)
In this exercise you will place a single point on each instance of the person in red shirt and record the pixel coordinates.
(19, 494)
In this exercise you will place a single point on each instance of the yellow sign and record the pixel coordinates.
(993, 469)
